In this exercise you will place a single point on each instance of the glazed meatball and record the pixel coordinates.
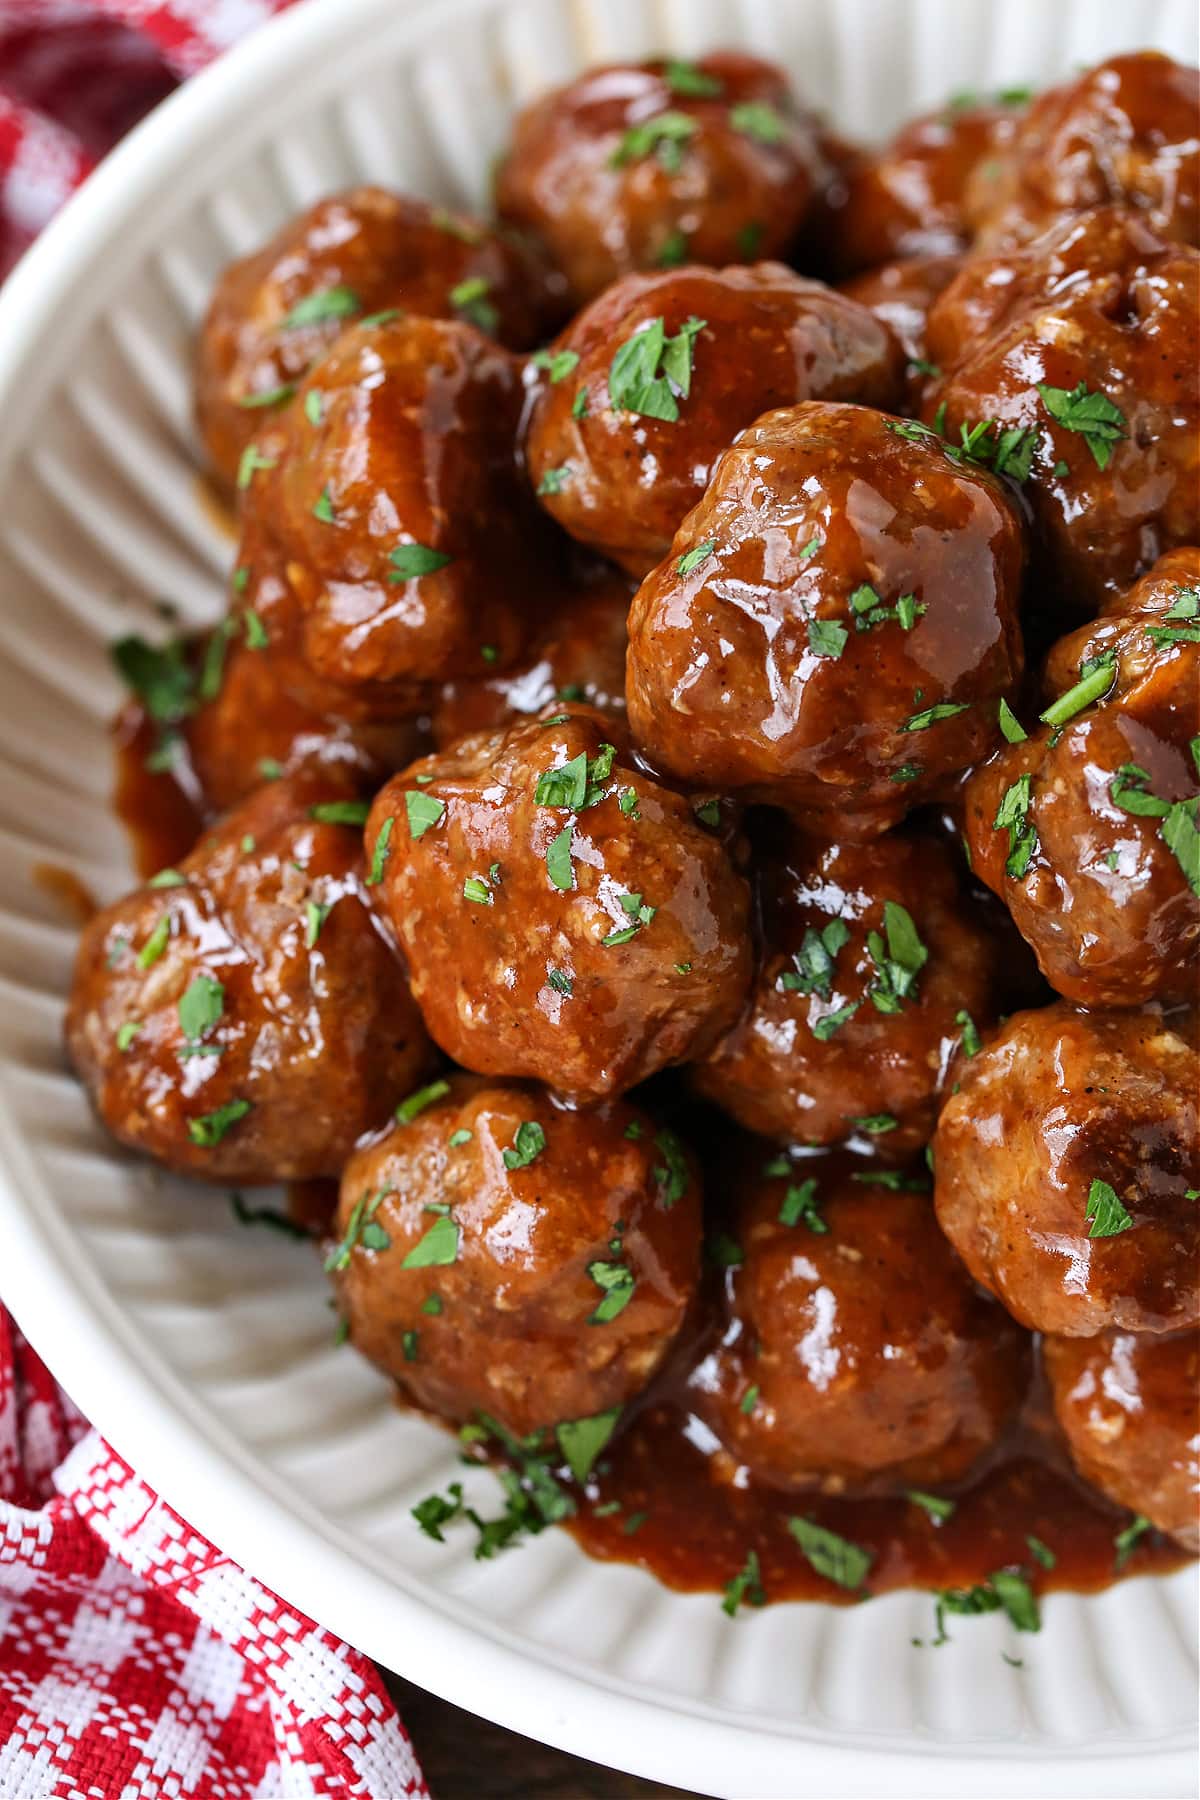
(579, 654)
(243, 1018)
(1083, 351)
(1087, 828)
(1126, 1403)
(273, 314)
(908, 199)
(1124, 131)
(874, 968)
(392, 491)
(647, 165)
(854, 1354)
(834, 623)
(666, 370)
(498, 1255)
(1064, 1164)
(563, 916)
(900, 294)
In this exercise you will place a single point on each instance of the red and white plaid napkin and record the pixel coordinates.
(137, 1662)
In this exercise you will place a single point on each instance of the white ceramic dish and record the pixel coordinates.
(203, 1350)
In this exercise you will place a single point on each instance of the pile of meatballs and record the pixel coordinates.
(705, 744)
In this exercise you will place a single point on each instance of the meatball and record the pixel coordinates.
(1123, 131)
(243, 1018)
(834, 623)
(646, 165)
(499, 1255)
(1081, 350)
(1087, 828)
(907, 200)
(563, 916)
(579, 654)
(1126, 1403)
(392, 490)
(272, 314)
(874, 968)
(665, 371)
(1064, 1167)
(900, 295)
(854, 1354)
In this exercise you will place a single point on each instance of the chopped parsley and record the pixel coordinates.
(691, 559)
(749, 237)
(671, 1173)
(333, 303)
(1129, 789)
(616, 1283)
(410, 561)
(1126, 1541)
(746, 1588)
(558, 364)
(554, 480)
(315, 914)
(932, 715)
(938, 1509)
(249, 464)
(155, 944)
(898, 962)
(689, 79)
(801, 1205)
(1091, 414)
(268, 396)
(158, 676)
(829, 1023)
(470, 298)
(827, 638)
(212, 1127)
(419, 1101)
(476, 889)
(1014, 732)
(1041, 1553)
(662, 136)
(759, 120)
(582, 1440)
(340, 812)
(167, 878)
(970, 1033)
(651, 372)
(870, 610)
(314, 406)
(383, 849)
(1013, 813)
(423, 812)
(558, 859)
(200, 1007)
(437, 1248)
(1107, 1214)
(527, 1145)
(673, 250)
(725, 1252)
(815, 961)
(363, 1228)
(561, 982)
(874, 1124)
(1179, 621)
(834, 1557)
(126, 1033)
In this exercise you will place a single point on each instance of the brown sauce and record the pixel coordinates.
(72, 895)
(698, 1525)
(216, 507)
(162, 819)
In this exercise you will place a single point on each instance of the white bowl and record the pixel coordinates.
(203, 1350)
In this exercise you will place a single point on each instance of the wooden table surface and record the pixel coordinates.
(465, 1758)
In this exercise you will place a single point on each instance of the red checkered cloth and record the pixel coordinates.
(137, 1662)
